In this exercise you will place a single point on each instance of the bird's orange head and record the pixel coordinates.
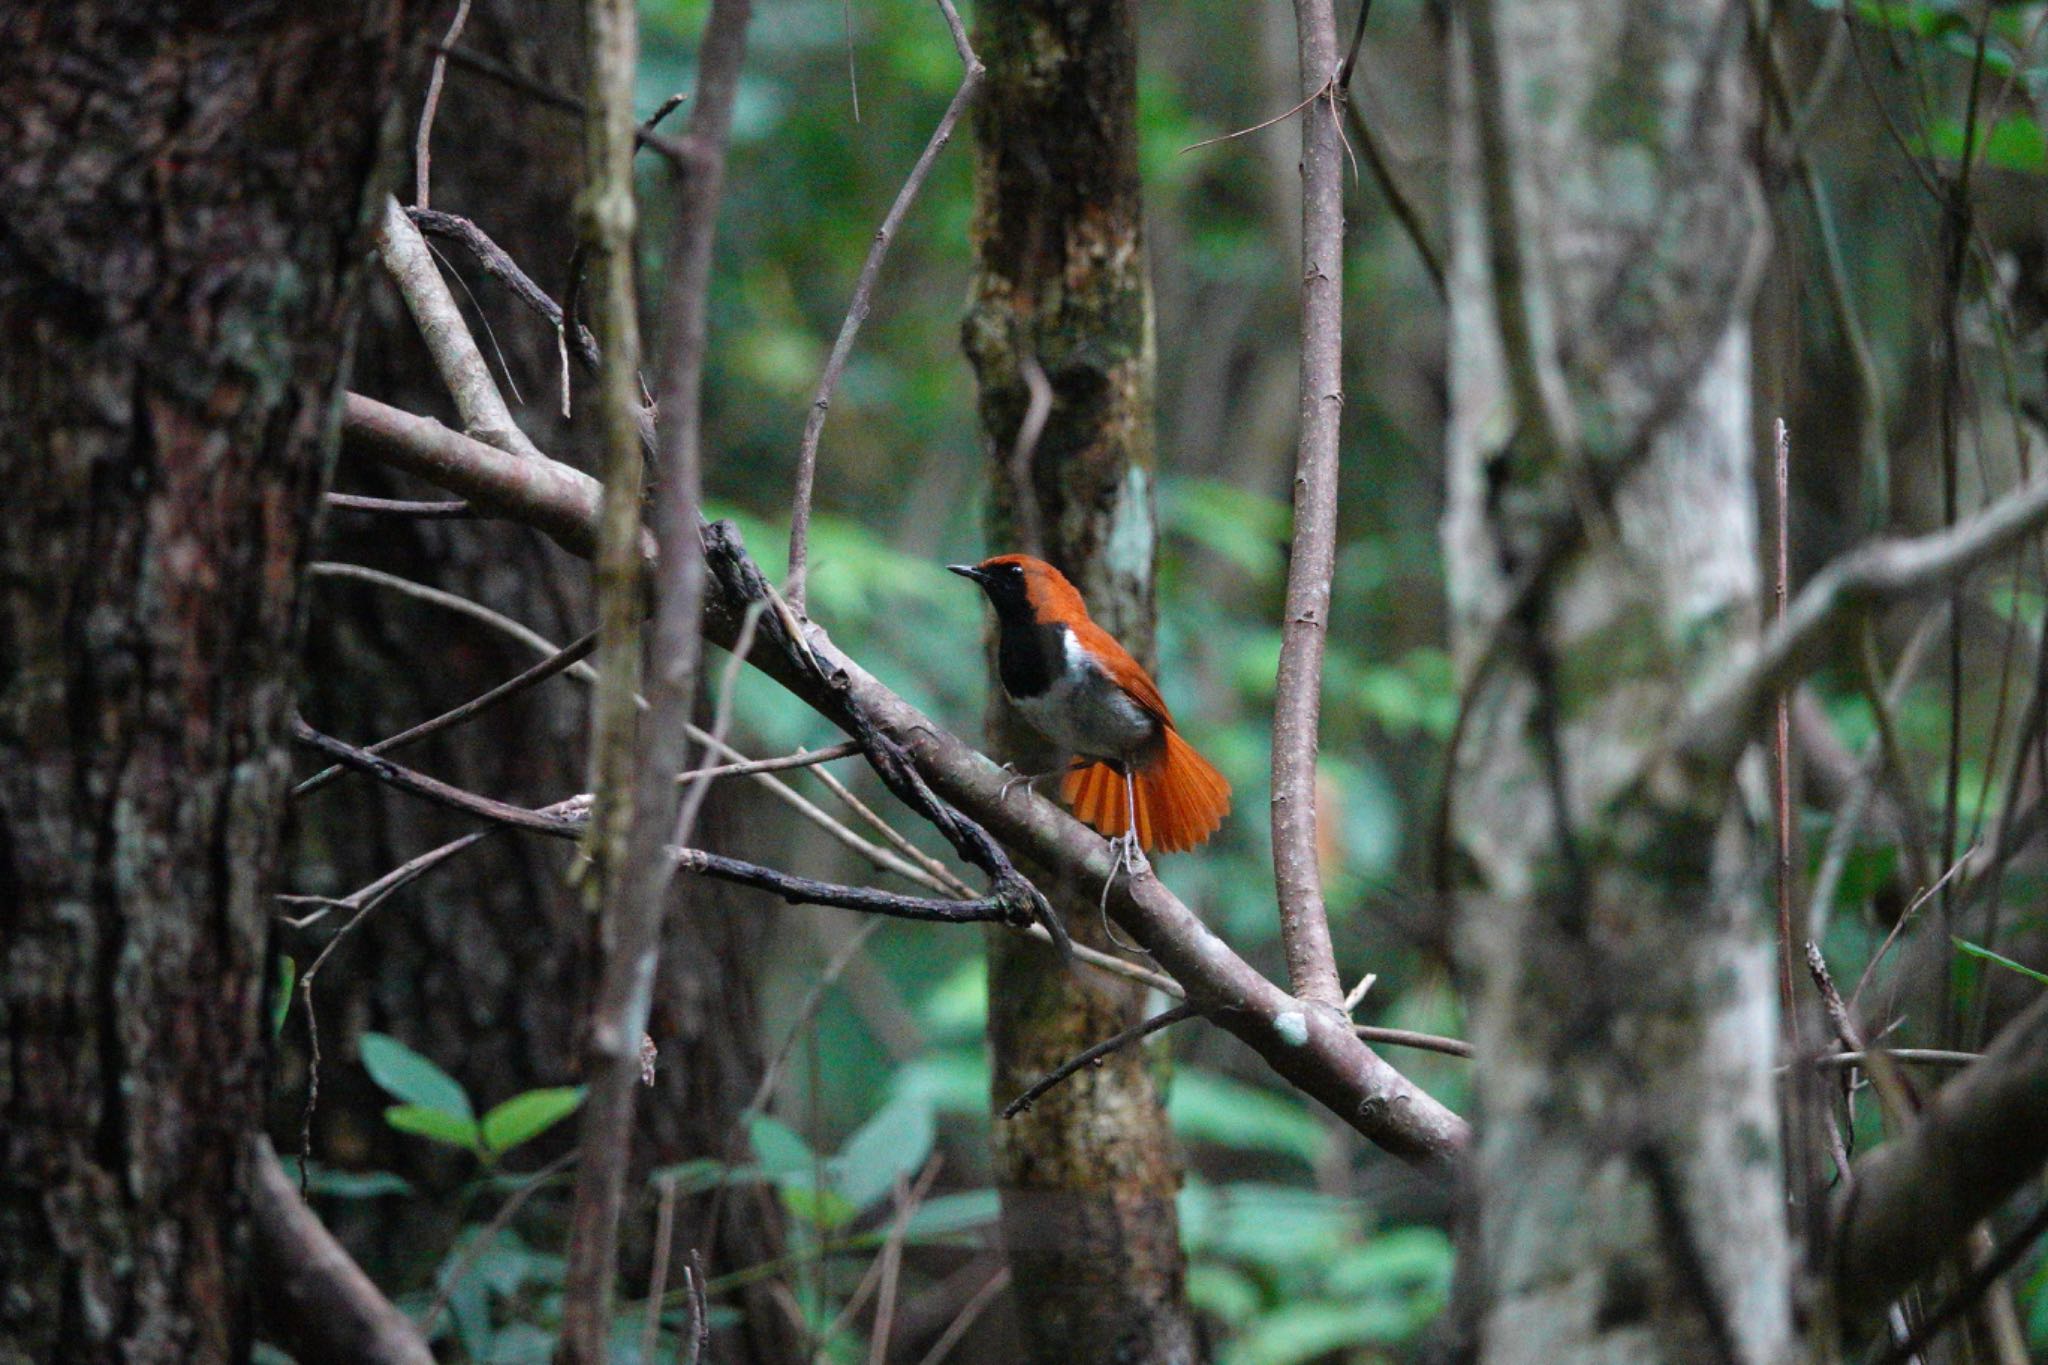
(1026, 589)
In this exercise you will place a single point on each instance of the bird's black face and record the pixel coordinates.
(1005, 586)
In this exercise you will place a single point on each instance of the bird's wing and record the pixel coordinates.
(1123, 670)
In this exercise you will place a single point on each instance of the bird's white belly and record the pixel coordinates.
(1087, 714)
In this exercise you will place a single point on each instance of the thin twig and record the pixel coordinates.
(423, 157)
(972, 1310)
(499, 265)
(1397, 196)
(487, 1235)
(803, 758)
(570, 819)
(400, 507)
(1781, 738)
(863, 294)
(657, 1274)
(1136, 1032)
(1424, 1042)
(559, 662)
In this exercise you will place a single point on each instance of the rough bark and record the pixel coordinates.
(1088, 1175)
(180, 224)
(1630, 1199)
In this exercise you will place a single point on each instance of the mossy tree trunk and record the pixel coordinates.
(1089, 1175)
(179, 233)
(1631, 1203)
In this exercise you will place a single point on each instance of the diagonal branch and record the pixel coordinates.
(317, 1301)
(499, 265)
(461, 365)
(1725, 716)
(863, 294)
(571, 819)
(1911, 1202)
(1319, 1055)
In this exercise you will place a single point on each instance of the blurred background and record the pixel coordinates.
(1304, 1244)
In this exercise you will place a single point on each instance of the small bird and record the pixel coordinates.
(1083, 691)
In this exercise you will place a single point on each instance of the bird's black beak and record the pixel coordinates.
(967, 571)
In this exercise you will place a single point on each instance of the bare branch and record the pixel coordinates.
(1304, 629)
(571, 819)
(1135, 1033)
(634, 823)
(559, 500)
(499, 265)
(1725, 716)
(1319, 1055)
(423, 142)
(1912, 1201)
(863, 295)
(318, 1303)
(400, 507)
(560, 661)
(461, 365)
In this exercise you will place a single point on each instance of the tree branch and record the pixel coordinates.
(556, 499)
(1137, 1032)
(499, 265)
(317, 1302)
(857, 309)
(1318, 1055)
(1304, 628)
(1913, 1200)
(461, 365)
(635, 820)
(1724, 718)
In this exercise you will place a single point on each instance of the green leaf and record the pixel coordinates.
(1975, 950)
(325, 1180)
(702, 1173)
(825, 1208)
(778, 1148)
(406, 1075)
(944, 1219)
(281, 992)
(2014, 143)
(1206, 1107)
(893, 1143)
(525, 1117)
(436, 1125)
(1392, 1263)
(1299, 1332)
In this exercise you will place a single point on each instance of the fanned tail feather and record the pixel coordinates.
(1181, 799)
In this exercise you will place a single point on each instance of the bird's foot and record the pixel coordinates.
(1016, 779)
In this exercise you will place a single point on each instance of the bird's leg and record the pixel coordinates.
(1133, 856)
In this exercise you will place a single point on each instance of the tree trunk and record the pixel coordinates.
(1630, 1197)
(1089, 1174)
(183, 211)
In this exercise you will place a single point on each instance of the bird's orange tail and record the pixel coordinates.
(1181, 799)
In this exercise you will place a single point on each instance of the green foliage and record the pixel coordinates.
(406, 1075)
(287, 976)
(1979, 951)
(437, 1108)
(1299, 1275)
(525, 1117)
(828, 1192)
